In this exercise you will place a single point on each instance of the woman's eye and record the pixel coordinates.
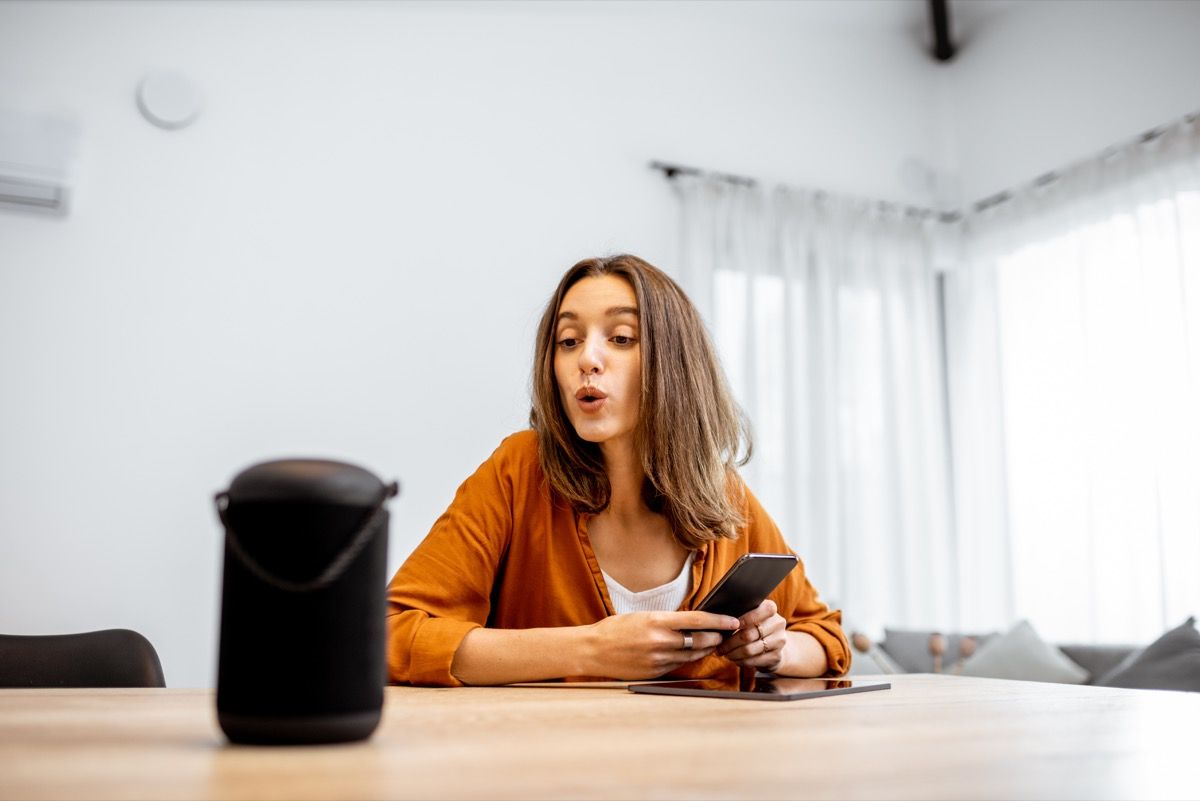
(568, 342)
(621, 339)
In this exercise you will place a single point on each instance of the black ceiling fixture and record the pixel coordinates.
(939, 16)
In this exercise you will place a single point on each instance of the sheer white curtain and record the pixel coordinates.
(825, 312)
(1075, 320)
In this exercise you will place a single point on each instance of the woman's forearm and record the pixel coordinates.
(504, 656)
(637, 645)
(803, 656)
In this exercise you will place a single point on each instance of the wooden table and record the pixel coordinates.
(928, 737)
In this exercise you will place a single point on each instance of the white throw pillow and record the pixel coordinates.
(1020, 653)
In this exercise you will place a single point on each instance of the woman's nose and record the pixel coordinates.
(590, 359)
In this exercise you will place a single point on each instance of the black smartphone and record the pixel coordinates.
(745, 585)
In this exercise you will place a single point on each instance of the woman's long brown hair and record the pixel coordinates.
(690, 432)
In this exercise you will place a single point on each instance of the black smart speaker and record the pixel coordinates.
(301, 655)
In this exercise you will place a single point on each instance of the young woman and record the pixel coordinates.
(579, 547)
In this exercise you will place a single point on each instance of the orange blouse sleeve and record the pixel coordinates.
(428, 616)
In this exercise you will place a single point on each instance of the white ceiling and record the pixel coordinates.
(902, 14)
(907, 17)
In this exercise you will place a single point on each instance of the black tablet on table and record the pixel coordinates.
(761, 688)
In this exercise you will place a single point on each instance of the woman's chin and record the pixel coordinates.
(601, 434)
(589, 434)
(594, 432)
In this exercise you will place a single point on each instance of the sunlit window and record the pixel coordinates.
(1100, 354)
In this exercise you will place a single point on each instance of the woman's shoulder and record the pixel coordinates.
(518, 452)
(517, 466)
(519, 444)
(759, 531)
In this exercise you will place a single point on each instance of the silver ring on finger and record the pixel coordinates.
(765, 647)
(759, 628)
(687, 641)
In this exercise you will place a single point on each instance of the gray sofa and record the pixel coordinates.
(910, 652)
(1170, 662)
(1097, 659)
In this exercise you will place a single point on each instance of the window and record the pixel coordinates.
(1100, 357)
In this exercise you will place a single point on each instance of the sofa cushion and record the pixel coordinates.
(872, 662)
(1172, 662)
(910, 648)
(1020, 653)
(1096, 659)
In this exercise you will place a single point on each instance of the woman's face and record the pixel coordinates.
(598, 358)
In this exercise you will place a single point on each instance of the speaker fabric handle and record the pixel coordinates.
(336, 566)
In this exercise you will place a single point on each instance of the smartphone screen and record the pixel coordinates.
(748, 583)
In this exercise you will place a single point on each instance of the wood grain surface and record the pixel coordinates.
(929, 737)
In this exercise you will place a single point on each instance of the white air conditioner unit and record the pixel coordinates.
(37, 155)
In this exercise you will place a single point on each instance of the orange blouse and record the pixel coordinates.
(507, 555)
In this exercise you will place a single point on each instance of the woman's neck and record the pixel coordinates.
(633, 544)
(625, 480)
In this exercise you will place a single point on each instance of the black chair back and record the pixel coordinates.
(109, 658)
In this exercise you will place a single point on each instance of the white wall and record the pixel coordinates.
(1040, 84)
(345, 256)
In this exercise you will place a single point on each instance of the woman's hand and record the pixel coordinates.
(761, 640)
(645, 645)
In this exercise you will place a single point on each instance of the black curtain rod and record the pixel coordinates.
(1047, 178)
(671, 170)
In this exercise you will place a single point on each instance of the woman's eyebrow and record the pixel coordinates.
(610, 312)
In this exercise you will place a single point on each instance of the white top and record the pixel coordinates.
(666, 598)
